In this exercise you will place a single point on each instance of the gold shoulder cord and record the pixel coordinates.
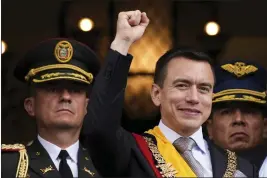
(23, 164)
(22, 168)
(231, 164)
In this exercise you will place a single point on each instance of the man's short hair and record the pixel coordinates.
(185, 52)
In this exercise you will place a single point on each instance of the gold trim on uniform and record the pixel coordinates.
(243, 98)
(167, 169)
(63, 77)
(51, 75)
(239, 68)
(47, 169)
(239, 91)
(89, 172)
(23, 163)
(231, 164)
(12, 147)
(63, 51)
(33, 72)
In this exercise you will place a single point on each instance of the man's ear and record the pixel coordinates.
(29, 106)
(209, 128)
(86, 104)
(156, 94)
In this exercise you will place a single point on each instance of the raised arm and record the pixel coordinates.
(107, 141)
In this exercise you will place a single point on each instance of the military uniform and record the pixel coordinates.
(50, 60)
(33, 161)
(121, 153)
(243, 81)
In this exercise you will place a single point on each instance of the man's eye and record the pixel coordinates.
(251, 111)
(182, 86)
(225, 111)
(52, 90)
(76, 90)
(204, 89)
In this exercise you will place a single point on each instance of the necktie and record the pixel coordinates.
(184, 146)
(64, 168)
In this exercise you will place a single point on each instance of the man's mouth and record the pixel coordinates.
(64, 110)
(239, 134)
(190, 111)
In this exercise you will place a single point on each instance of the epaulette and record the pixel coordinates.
(23, 163)
(12, 147)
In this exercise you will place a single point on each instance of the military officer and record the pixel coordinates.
(59, 73)
(239, 108)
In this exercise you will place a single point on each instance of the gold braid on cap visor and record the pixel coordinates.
(247, 95)
(33, 72)
(240, 91)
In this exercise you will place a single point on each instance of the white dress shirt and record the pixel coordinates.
(54, 151)
(200, 151)
(263, 170)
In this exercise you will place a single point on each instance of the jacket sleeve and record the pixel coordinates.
(107, 142)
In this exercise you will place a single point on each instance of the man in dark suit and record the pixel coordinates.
(59, 73)
(239, 108)
(182, 89)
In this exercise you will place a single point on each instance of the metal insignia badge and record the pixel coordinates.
(239, 68)
(63, 51)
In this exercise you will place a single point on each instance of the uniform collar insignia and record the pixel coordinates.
(47, 169)
(88, 171)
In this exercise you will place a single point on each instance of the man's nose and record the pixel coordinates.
(192, 95)
(238, 118)
(65, 95)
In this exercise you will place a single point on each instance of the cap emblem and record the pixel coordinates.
(63, 51)
(239, 68)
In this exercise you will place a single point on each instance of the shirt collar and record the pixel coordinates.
(172, 136)
(53, 150)
(73, 151)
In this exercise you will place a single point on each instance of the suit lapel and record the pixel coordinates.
(85, 165)
(218, 159)
(40, 162)
(247, 168)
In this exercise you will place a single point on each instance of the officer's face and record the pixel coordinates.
(58, 104)
(237, 126)
(185, 98)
